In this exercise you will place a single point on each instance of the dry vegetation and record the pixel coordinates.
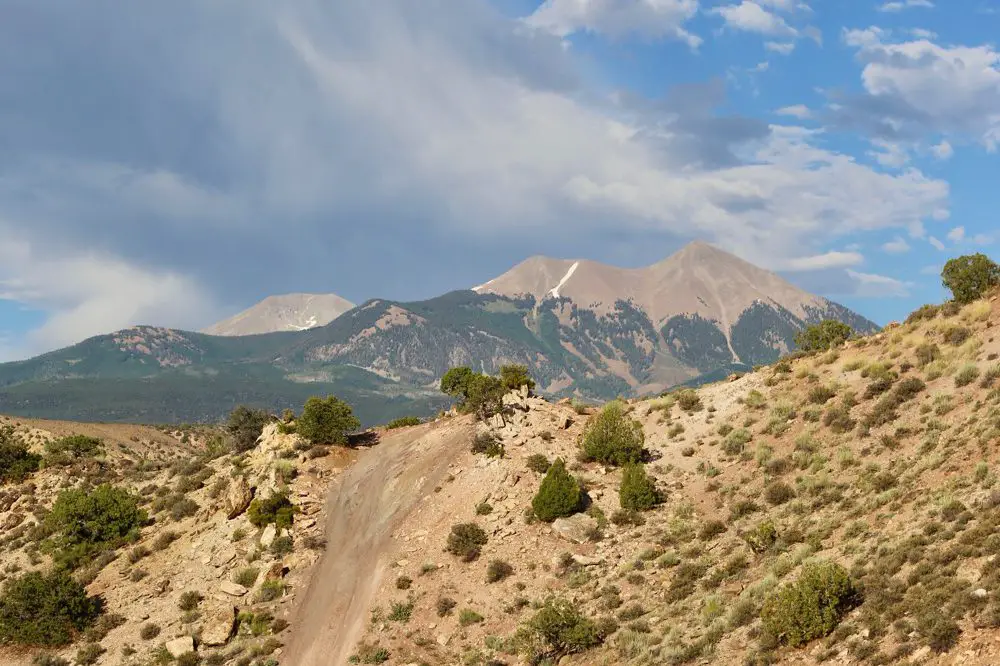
(837, 507)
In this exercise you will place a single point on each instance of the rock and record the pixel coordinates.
(239, 497)
(276, 572)
(12, 521)
(575, 528)
(219, 626)
(443, 639)
(920, 654)
(979, 593)
(180, 646)
(587, 561)
(268, 536)
(565, 422)
(224, 557)
(232, 589)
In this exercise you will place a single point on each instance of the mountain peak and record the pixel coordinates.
(286, 312)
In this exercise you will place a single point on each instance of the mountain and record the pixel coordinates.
(582, 328)
(291, 312)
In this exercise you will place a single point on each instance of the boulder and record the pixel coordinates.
(232, 589)
(223, 557)
(565, 422)
(219, 626)
(180, 646)
(575, 528)
(268, 536)
(238, 498)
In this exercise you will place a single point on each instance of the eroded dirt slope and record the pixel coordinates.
(368, 503)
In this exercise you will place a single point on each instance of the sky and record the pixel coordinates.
(171, 163)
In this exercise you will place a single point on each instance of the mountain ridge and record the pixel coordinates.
(575, 340)
(285, 312)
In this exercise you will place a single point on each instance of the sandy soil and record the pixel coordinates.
(370, 501)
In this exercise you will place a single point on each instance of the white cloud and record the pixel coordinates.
(784, 48)
(957, 235)
(89, 294)
(943, 150)
(936, 243)
(871, 285)
(983, 239)
(617, 18)
(827, 260)
(919, 87)
(900, 5)
(921, 33)
(932, 270)
(800, 111)
(749, 16)
(889, 154)
(897, 245)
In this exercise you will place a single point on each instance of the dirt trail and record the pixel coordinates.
(372, 499)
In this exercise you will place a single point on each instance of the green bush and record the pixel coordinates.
(558, 628)
(189, 600)
(927, 353)
(637, 491)
(456, 382)
(824, 335)
(67, 450)
(277, 509)
(87, 523)
(45, 609)
(403, 422)
(689, 400)
(485, 397)
(778, 492)
(16, 462)
(326, 420)
(559, 495)
(812, 606)
(515, 376)
(466, 540)
(612, 437)
(966, 376)
(969, 277)
(245, 426)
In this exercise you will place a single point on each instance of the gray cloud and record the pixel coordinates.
(207, 154)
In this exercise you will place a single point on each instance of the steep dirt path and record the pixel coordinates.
(371, 500)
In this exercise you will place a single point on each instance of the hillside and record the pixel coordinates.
(693, 318)
(289, 312)
(880, 457)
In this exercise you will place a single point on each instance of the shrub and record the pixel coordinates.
(404, 583)
(878, 387)
(467, 616)
(970, 276)
(966, 376)
(281, 545)
(401, 612)
(497, 570)
(246, 576)
(927, 353)
(778, 492)
(466, 541)
(16, 462)
(183, 508)
(735, 441)
(88, 654)
(838, 419)
(271, 590)
(277, 509)
(445, 605)
(812, 606)
(956, 335)
(711, 529)
(612, 437)
(245, 426)
(689, 400)
(45, 609)
(485, 396)
(820, 395)
(87, 523)
(514, 377)
(456, 382)
(637, 491)
(488, 444)
(67, 450)
(403, 422)
(326, 420)
(189, 600)
(762, 537)
(940, 631)
(822, 336)
(538, 463)
(923, 312)
(559, 494)
(558, 628)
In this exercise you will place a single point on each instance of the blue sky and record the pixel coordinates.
(172, 163)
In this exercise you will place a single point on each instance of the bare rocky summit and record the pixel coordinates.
(290, 312)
